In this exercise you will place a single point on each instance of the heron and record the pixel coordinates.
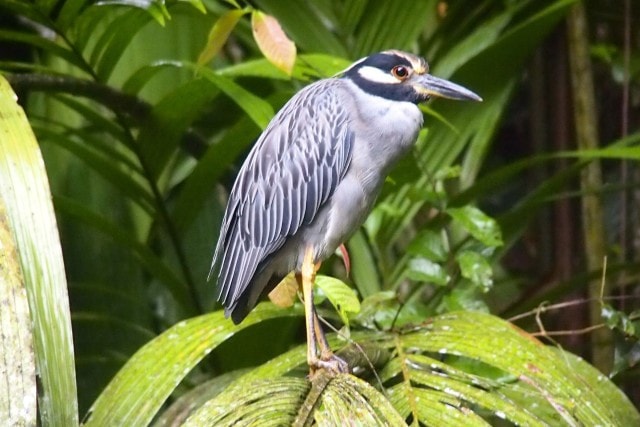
(312, 178)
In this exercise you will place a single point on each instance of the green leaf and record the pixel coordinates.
(466, 295)
(476, 122)
(195, 398)
(155, 8)
(618, 319)
(600, 387)
(344, 393)
(163, 129)
(307, 66)
(198, 4)
(219, 34)
(106, 166)
(430, 245)
(476, 268)
(200, 184)
(113, 41)
(304, 26)
(342, 297)
(47, 46)
(363, 267)
(425, 270)
(378, 310)
(535, 374)
(391, 25)
(479, 225)
(444, 372)
(269, 402)
(257, 108)
(69, 12)
(626, 353)
(135, 396)
(24, 191)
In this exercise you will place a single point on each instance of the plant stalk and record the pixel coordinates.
(586, 119)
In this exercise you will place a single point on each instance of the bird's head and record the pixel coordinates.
(401, 76)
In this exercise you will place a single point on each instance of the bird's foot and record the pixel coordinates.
(332, 363)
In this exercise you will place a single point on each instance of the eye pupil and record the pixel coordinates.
(400, 71)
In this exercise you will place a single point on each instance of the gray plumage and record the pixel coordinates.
(312, 177)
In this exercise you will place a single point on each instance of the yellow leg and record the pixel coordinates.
(315, 335)
(321, 340)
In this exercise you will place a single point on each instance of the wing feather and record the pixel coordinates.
(293, 169)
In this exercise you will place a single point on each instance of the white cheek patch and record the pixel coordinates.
(374, 74)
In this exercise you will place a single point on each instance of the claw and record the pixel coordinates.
(345, 258)
(333, 364)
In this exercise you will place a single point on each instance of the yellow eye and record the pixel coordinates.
(400, 72)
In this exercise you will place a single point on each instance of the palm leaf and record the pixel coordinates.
(445, 372)
(24, 190)
(136, 394)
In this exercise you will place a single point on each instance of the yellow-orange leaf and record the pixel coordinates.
(284, 294)
(273, 42)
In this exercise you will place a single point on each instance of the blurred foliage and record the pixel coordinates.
(144, 111)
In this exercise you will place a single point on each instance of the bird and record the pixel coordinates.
(312, 178)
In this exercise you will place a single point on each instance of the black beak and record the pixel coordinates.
(429, 86)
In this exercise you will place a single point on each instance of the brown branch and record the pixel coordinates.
(120, 103)
(544, 308)
(106, 95)
(585, 117)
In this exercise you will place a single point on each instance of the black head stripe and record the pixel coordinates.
(384, 61)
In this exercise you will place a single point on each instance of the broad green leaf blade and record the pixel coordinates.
(186, 404)
(425, 270)
(472, 390)
(134, 397)
(610, 395)
(569, 397)
(349, 398)
(24, 190)
(478, 224)
(429, 244)
(69, 12)
(363, 267)
(259, 110)
(256, 108)
(269, 402)
(113, 41)
(476, 268)
(273, 42)
(436, 409)
(18, 398)
(341, 296)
